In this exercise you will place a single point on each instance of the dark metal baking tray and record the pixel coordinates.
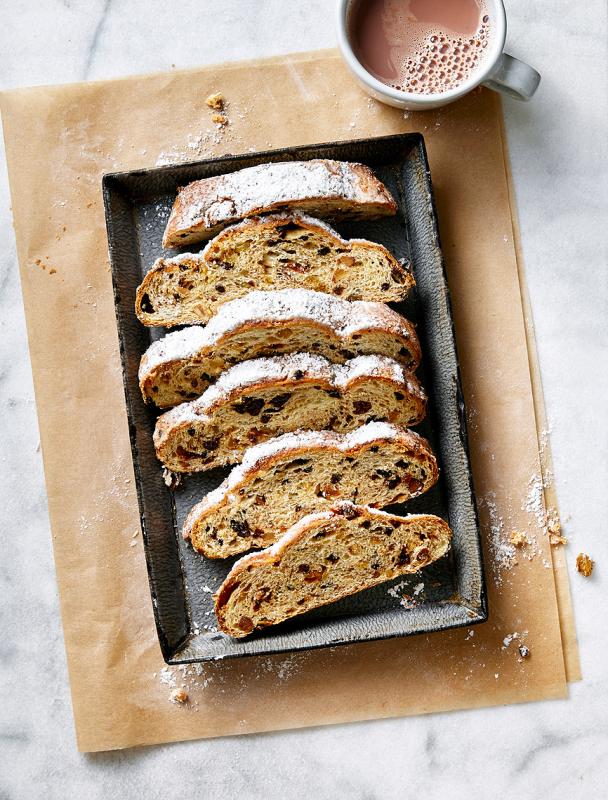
(137, 206)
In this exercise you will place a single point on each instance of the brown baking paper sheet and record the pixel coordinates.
(59, 142)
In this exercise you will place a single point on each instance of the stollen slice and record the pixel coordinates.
(257, 400)
(298, 473)
(324, 557)
(322, 187)
(278, 251)
(182, 364)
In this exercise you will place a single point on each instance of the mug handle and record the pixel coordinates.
(513, 77)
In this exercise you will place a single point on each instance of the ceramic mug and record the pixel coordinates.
(498, 71)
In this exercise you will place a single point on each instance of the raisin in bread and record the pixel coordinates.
(182, 364)
(280, 251)
(256, 400)
(290, 476)
(322, 558)
(321, 187)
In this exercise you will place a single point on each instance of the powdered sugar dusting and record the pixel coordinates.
(224, 198)
(534, 502)
(209, 683)
(176, 346)
(289, 443)
(294, 367)
(363, 366)
(512, 541)
(343, 317)
(502, 552)
(373, 431)
(263, 370)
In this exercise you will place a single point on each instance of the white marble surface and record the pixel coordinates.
(558, 150)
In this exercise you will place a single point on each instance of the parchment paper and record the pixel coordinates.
(59, 142)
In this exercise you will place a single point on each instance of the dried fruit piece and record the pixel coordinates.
(584, 564)
(246, 624)
(362, 406)
(216, 101)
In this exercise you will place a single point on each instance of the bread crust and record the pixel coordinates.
(436, 541)
(326, 188)
(181, 365)
(190, 437)
(188, 289)
(254, 478)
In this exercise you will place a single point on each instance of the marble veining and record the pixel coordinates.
(92, 48)
(558, 151)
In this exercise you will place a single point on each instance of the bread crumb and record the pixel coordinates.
(52, 271)
(518, 539)
(171, 479)
(216, 101)
(179, 696)
(584, 564)
(219, 119)
(554, 529)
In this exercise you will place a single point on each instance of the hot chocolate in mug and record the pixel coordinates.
(422, 54)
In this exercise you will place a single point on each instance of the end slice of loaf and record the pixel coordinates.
(181, 365)
(256, 400)
(279, 251)
(322, 558)
(296, 474)
(322, 187)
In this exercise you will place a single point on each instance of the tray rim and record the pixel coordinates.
(475, 615)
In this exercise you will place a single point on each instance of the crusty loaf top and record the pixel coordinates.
(343, 316)
(298, 441)
(222, 199)
(296, 366)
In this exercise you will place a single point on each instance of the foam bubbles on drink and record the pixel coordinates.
(421, 46)
(440, 61)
